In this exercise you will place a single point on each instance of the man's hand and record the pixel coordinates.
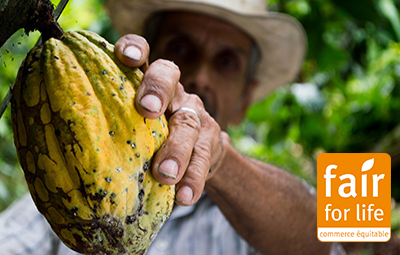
(194, 145)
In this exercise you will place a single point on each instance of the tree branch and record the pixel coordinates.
(30, 15)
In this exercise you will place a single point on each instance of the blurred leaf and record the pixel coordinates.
(390, 11)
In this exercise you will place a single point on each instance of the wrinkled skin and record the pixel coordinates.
(267, 206)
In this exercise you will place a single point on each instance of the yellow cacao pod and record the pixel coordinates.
(84, 148)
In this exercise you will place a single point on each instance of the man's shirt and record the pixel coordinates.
(200, 229)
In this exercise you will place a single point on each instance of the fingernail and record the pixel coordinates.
(132, 52)
(185, 195)
(169, 168)
(151, 103)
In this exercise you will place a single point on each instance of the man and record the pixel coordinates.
(226, 55)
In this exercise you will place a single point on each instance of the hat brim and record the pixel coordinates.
(281, 38)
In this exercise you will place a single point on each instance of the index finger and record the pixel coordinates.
(132, 50)
(159, 86)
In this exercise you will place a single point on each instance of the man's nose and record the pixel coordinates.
(198, 80)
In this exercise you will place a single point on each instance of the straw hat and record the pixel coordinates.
(281, 38)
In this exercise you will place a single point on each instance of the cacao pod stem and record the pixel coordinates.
(43, 19)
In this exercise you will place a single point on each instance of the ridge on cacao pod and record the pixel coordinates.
(85, 150)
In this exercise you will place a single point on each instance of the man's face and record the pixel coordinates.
(213, 58)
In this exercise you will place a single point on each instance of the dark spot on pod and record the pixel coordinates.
(146, 166)
(106, 219)
(100, 240)
(121, 87)
(140, 177)
(88, 185)
(113, 94)
(113, 225)
(144, 119)
(141, 194)
(74, 67)
(87, 70)
(137, 155)
(98, 196)
(157, 204)
(133, 145)
(58, 132)
(143, 229)
(130, 159)
(12, 59)
(94, 170)
(7, 51)
(103, 44)
(74, 211)
(154, 133)
(140, 210)
(118, 169)
(55, 57)
(130, 219)
(145, 213)
(70, 122)
(108, 179)
(97, 149)
(111, 132)
(128, 142)
(159, 135)
(113, 195)
(87, 93)
(19, 42)
(104, 72)
(6, 65)
(124, 78)
(160, 185)
(77, 170)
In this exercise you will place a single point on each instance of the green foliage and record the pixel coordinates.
(348, 93)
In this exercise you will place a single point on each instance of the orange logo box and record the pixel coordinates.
(354, 197)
